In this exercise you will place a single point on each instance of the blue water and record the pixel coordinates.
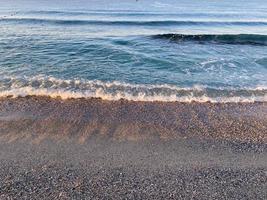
(172, 50)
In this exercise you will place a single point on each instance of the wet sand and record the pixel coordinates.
(41, 117)
(95, 149)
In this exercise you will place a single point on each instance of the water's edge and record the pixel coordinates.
(42, 117)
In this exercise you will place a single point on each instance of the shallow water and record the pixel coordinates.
(145, 50)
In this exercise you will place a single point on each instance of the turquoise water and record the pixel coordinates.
(144, 50)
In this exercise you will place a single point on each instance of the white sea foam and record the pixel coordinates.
(65, 89)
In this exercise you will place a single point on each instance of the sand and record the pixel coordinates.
(95, 149)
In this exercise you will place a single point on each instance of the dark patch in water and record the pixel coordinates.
(262, 62)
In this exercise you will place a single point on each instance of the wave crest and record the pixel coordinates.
(132, 22)
(241, 39)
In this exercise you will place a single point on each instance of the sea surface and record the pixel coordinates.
(145, 50)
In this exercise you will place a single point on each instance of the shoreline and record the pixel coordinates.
(62, 98)
(42, 117)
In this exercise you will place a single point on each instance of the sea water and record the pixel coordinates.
(145, 50)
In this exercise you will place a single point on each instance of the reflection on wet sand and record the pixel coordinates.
(41, 117)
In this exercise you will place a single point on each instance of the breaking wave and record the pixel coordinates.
(243, 39)
(65, 89)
